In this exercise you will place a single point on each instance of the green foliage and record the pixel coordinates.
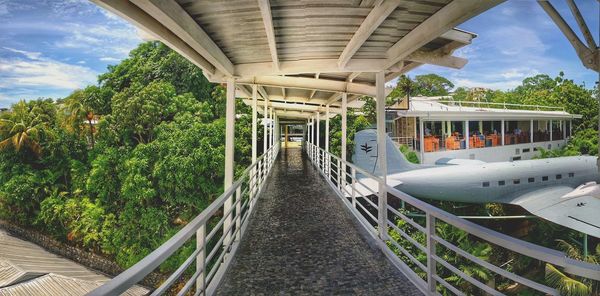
(409, 154)
(355, 123)
(432, 85)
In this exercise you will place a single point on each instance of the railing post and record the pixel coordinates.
(338, 175)
(431, 264)
(238, 213)
(201, 259)
(353, 187)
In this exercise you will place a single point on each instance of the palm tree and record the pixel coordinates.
(21, 130)
(566, 284)
(404, 88)
(78, 112)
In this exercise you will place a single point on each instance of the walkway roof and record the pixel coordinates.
(307, 51)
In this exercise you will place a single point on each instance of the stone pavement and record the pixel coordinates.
(302, 241)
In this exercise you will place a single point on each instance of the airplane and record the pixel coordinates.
(563, 190)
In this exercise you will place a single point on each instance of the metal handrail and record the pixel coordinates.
(432, 213)
(503, 105)
(137, 272)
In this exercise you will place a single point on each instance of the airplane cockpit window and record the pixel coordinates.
(486, 184)
(545, 178)
(531, 180)
(558, 177)
(517, 181)
(501, 183)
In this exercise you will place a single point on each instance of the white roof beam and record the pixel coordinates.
(451, 15)
(368, 26)
(265, 11)
(298, 107)
(308, 66)
(312, 93)
(352, 76)
(177, 20)
(582, 25)
(404, 69)
(438, 59)
(142, 20)
(311, 83)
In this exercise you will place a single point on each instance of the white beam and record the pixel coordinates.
(171, 15)
(312, 93)
(451, 15)
(582, 25)
(368, 26)
(142, 20)
(311, 83)
(308, 66)
(254, 122)
(437, 58)
(352, 76)
(327, 115)
(229, 152)
(265, 11)
(266, 130)
(297, 107)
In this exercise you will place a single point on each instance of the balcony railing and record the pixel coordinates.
(507, 106)
(417, 244)
(217, 231)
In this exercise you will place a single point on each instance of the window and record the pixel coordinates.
(501, 183)
(545, 178)
(535, 149)
(517, 151)
(486, 184)
(526, 150)
(517, 181)
(516, 158)
(558, 177)
(531, 180)
(571, 175)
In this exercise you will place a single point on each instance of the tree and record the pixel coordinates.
(432, 85)
(79, 111)
(21, 129)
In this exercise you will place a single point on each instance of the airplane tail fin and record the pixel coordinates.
(365, 154)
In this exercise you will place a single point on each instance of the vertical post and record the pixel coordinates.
(286, 134)
(238, 213)
(551, 131)
(531, 131)
(431, 264)
(344, 125)
(229, 151)
(254, 171)
(318, 141)
(502, 131)
(327, 128)
(353, 187)
(563, 125)
(467, 135)
(201, 259)
(266, 130)
(422, 139)
(381, 153)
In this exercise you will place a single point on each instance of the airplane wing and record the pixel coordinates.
(576, 209)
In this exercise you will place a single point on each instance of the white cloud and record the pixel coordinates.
(500, 84)
(109, 59)
(101, 40)
(37, 71)
(29, 54)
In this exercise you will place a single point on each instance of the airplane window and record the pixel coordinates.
(571, 175)
(486, 184)
(501, 183)
(531, 180)
(558, 177)
(517, 181)
(545, 178)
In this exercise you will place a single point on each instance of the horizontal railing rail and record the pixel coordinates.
(495, 105)
(414, 246)
(217, 230)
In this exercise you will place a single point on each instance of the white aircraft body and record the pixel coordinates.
(563, 190)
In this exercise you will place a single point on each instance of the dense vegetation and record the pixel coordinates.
(118, 167)
(121, 187)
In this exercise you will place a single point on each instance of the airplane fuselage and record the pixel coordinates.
(494, 182)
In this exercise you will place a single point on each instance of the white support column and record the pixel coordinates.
(467, 135)
(229, 152)
(422, 138)
(481, 127)
(381, 154)
(531, 131)
(254, 137)
(502, 132)
(551, 131)
(344, 125)
(563, 125)
(327, 128)
(266, 130)
(271, 127)
(318, 141)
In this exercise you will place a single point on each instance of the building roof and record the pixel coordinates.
(307, 51)
(444, 109)
(28, 269)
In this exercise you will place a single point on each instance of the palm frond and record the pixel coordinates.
(564, 284)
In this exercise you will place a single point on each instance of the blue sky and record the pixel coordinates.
(48, 48)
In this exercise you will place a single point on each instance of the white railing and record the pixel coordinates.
(217, 232)
(416, 246)
(482, 104)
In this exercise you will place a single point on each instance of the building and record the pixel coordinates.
(489, 132)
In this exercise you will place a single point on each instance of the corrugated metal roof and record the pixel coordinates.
(27, 269)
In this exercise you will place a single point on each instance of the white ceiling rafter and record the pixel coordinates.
(265, 11)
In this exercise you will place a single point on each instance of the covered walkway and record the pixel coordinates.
(303, 240)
